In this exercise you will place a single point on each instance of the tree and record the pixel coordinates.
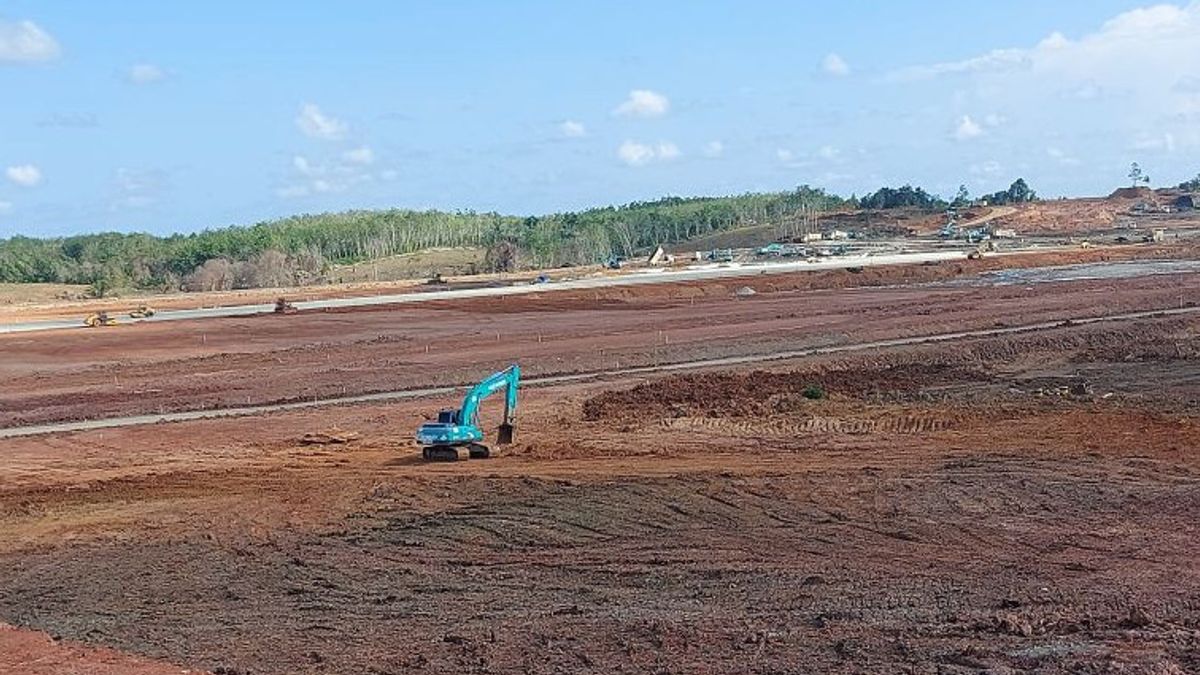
(501, 257)
(1020, 192)
(906, 195)
(1017, 193)
(1192, 185)
(1137, 176)
(962, 197)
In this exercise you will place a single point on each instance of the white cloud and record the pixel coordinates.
(573, 129)
(784, 155)
(967, 129)
(667, 151)
(5, 207)
(302, 165)
(988, 168)
(1156, 143)
(26, 175)
(643, 103)
(1151, 42)
(635, 154)
(145, 73)
(994, 120)
(835, 65)
(828, 152)
(316, 124)
(26, 42)
(138, 188)
(334, 173)
(1062, 157)
(361, 156)
(640, 154)
(714, 149)
(69, 120)
(292, 191)
(993, 60)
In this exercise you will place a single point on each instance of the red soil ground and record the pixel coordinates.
(1019, 503)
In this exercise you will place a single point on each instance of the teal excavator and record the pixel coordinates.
(454, 430)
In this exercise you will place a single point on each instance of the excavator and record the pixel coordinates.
(454, 430)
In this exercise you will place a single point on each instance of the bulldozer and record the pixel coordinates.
(98, 319)
(441, 440)
(984, 247)
(142, 312)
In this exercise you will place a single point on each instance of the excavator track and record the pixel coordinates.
(440, 453)
(449, 453)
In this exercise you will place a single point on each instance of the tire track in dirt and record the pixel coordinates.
(907, 424)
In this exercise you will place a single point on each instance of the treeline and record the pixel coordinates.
(298, 249)
(905, 196)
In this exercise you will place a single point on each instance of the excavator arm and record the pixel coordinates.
(508, 379)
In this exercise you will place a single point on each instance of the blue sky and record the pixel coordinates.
(164, 116)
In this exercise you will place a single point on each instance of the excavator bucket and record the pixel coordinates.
(505, 435)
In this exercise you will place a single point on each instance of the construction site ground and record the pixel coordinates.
(1016, 501)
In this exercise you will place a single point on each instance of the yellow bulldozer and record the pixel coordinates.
(142, 312)
(99, 319)
(981, 250)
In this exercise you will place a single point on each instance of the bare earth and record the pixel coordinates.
(1026, 502)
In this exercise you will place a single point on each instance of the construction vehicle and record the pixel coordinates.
(454, 430)
(282, 306)
(142, 312)
(986, 246)
(99, 319)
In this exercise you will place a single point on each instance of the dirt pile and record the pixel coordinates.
(759, 392)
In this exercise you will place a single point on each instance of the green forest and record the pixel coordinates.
(299, 249)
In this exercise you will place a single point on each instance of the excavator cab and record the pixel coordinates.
(447, 417)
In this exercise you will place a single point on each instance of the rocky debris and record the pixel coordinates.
(331, 437)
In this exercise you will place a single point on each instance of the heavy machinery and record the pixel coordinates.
(985, 247)
(282, 306)
(455, 430)
(142, 312)
(99, 319)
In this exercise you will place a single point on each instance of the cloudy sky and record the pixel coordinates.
(166, 116)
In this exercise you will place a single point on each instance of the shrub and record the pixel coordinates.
(814, 392)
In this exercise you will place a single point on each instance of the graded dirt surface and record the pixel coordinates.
(32, 653)
(189, 365)
(1025, 502)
